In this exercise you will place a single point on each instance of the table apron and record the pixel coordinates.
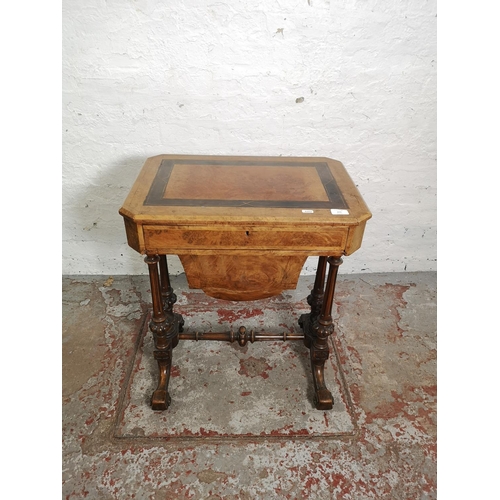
(174, 240)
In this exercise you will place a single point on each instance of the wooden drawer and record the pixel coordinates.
(190, 239)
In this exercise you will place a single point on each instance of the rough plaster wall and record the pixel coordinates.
(353, 80)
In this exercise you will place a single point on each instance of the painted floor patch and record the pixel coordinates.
(221, 390)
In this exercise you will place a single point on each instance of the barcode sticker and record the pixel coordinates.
(307, 211)
(338, 211)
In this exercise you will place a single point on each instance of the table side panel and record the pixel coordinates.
(355, 238)
(135, 237)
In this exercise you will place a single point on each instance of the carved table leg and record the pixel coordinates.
(165, 328)
(318, 329)
(315, 299)
(168, 296)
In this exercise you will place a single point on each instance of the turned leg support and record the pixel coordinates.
(164, 326)
(168, 297)
(315, 299)
(318, 326)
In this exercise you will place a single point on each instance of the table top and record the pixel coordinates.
(205, 189)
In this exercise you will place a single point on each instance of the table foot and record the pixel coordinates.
(323, 400)
(320, 352)
(165, 336)
(316, 339)
(160, 400)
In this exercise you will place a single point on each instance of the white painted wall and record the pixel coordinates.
(146, 77)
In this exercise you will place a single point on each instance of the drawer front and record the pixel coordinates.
(163, 239)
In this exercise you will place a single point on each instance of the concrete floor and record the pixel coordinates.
(242, 435)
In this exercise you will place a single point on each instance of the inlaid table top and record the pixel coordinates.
(255, 194)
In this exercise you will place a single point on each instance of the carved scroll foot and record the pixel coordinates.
(164, 336)
(319, 353)
(161, 398)
(323, 399)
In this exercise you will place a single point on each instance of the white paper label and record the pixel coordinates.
(307, 211)
(338, 211)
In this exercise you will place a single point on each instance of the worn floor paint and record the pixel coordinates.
(384, 370)
(224, 391)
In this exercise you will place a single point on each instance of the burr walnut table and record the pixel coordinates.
(243, 228)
